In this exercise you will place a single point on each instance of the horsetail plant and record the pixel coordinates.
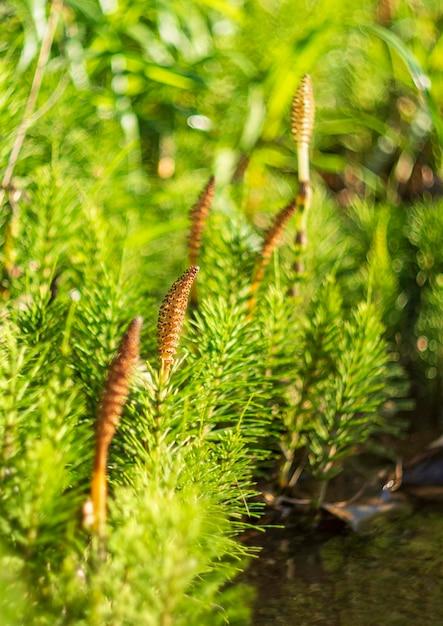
(347, 403)
(111, 407)
(198, 217)
(302, 126)
(188, 457)
(270, 243)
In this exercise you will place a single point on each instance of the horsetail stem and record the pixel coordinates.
(171, 319)
(114, 397)
(302, 126)
(270, 243)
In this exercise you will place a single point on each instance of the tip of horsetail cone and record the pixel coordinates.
(115, 394)
(303, 111)
(171, 318)
(198, 215)
(271, 242)
(384, 12)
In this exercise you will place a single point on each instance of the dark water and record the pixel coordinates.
(390, 576)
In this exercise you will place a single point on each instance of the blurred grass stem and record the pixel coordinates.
(27, 118)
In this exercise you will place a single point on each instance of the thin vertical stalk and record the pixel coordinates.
(322, 493)
(45, 50)
(302, 118)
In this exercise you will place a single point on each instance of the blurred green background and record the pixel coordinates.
(206, 85)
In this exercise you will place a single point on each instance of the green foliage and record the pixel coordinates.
(171, 549)
(345, 403)
(338, 384)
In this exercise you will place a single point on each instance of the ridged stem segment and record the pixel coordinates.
(171, 319)
(114, 397)
(302, 126)
(271, 242)
(198, 217)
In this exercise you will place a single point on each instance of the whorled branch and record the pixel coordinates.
(270, 243)
(171, 319)
(114, 397)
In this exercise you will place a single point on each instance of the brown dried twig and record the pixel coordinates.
(302, 126)
(198, 216)
(171, 319)
(111, 407)
(271, 242)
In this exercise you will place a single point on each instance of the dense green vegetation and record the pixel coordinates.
(139, 104)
